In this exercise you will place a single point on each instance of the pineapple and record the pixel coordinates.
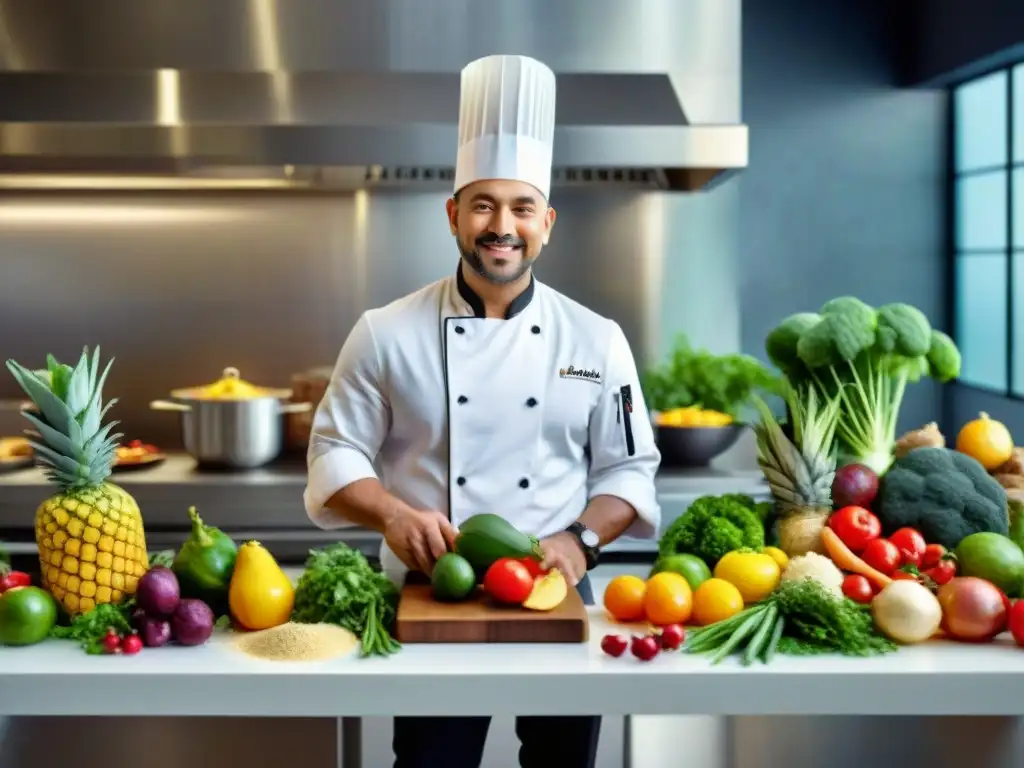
(800, 471)
(92, 548)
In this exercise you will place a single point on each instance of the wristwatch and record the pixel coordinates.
(589, 542)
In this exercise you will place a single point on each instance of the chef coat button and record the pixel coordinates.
(524, 483)
(531, 402)
(535, 329)
(461, 480)
(459, 329)
(463, 399)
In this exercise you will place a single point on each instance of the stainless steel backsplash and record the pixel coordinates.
(178, 286)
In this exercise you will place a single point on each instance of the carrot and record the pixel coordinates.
(843, 556)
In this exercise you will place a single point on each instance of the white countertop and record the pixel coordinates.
(940, 678)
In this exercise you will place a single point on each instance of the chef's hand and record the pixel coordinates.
(563, 551)
(419, 538)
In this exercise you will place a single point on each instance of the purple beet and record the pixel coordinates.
(854, 485)
(155, 632)
(192, 623)
(158, 593)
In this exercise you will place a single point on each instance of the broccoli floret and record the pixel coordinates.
(944, 494)
(866, 358)
(714, 526)
(943, 358)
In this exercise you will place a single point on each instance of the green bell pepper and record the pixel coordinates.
(205, 563)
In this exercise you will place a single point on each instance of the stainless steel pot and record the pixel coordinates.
(241, 434)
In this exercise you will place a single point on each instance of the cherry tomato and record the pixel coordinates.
(882, 555)
(911, 545)
(533, 566)
(858, 588)
(111, 642)
(13, 579)
(508, 581)
(614, 645)
(855, 527)
(942, 572)
(671, 637)
(644, 648)
(1017, 622)
(933, 553)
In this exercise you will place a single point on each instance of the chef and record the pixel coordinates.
(488, 391)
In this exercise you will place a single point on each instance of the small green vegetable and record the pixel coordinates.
(339, 587)
(714, 526)
(204, 564)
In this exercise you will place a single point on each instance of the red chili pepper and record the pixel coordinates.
(12, 579)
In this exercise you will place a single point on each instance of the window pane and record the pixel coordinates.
(1018, 113)
(1018, 208)
(1018, 324)
(981, 319)
(980, 113)
(981, 211)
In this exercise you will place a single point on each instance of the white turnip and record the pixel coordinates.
(906, 612)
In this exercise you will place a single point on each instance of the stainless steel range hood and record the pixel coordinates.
(338, 93)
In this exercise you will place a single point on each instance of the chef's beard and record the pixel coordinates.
(475, 262)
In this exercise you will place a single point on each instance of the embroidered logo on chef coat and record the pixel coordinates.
(584, 374)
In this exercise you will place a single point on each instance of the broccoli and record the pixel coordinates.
(944, 494)
(866, 357)
(714, 526)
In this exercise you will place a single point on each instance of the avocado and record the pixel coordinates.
(993, 557)
(453, 578)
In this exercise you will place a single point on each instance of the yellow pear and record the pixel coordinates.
(261, 596)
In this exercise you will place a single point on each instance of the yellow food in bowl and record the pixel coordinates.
(692, 416)
(230, 387)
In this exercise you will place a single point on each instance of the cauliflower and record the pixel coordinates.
(715, 525)
(944, 494)
(816, 568)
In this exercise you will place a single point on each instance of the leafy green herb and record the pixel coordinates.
(164, 558)
(697, 377)
(340, 587)
(88, 629)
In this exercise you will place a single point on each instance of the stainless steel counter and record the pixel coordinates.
(266, 503)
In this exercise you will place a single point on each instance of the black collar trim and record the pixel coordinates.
(519, 303)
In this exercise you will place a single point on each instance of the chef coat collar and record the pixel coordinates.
(471, 297)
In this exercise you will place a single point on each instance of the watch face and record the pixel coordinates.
(589, 538)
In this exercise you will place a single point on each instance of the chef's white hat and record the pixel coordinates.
(506, 122)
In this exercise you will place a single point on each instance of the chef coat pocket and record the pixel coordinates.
(624, 416)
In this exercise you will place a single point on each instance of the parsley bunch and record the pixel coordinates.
(340, 587)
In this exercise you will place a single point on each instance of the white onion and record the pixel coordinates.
(906, 612)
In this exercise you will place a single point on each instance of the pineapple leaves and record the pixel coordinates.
(55, 438)
(51, 406)
(95, 411)
(59, 377)
(78, 388)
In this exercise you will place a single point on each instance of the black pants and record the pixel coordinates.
(458, 742)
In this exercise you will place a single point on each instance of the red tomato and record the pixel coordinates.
(508, 581)
(882, 555)
(942, 572)
(858, 588)
(855, 527)
(1017, 622)
(933, 553)
(533, 566)
(911, 545)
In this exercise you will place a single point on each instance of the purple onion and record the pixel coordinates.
(155, 632)
(158, 593)
(192, 623)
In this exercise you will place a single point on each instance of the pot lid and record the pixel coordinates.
(230, 386)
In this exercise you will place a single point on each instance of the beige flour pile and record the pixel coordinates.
(299, 642)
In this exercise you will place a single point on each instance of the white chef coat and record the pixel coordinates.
(527, 417)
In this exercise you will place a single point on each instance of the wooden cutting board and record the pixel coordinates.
(421, 619)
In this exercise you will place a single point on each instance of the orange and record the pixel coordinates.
(716, 600)
(624, 598)
(668, 599)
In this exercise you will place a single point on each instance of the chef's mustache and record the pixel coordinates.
(505, 240)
